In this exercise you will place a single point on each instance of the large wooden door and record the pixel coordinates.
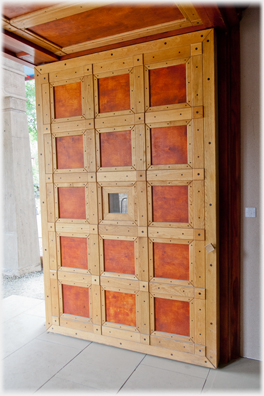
(127, 154)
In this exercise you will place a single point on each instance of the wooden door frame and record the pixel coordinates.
(228, 48)
(229, 191)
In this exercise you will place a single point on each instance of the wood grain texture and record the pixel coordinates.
(114, 93)
(119, 256)
(171, 261)
(229, 194)
(120, 308)
(116, 149)
(170, 204)
(68, 100)
(113, 20)
(172, 316)
(75, 300)
(169, 145)
(167, 85)
(73, 252)
(14, 10)
(69, 152)
(72, 202)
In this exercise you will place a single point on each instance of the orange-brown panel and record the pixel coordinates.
(114, 93)
(75, 300)
(120, 308)
(119, 256)
(170, 204)
(72, 202)
(70, 152)
(74, 252)
(68, 100)
(169, 145)
(171, 261)
(105, 21)
(167, 85)
(116, 149)
(172, 316)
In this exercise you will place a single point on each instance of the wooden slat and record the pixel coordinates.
(162, 56)
(172, 344)
(169, 115)
(48, 153)
(45, 103)
(197, 84)
(198, 204)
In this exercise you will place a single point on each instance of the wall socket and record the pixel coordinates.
(250, 212)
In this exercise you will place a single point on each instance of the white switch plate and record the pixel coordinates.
(250, 212)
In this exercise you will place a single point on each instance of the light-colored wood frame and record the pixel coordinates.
(200, 173)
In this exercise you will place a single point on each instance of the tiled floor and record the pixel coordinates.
(37, 361)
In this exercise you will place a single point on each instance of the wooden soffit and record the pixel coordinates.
(40, 33)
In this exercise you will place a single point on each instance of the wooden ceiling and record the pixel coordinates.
(38, 33)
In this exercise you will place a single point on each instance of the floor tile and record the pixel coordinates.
(157, 379)
(15, 305)
(241, 374)
(58, 384)
(64, 340)
(102, 367)
(34, 364)
(172, 365)
(20, 330)
(38, 310)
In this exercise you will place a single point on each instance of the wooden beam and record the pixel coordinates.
(12, 56)
(119, 38)
(39, 54)
(53, 13)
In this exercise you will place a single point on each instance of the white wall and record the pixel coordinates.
(250, 35)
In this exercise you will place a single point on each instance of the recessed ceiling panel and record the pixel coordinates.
(104, 22)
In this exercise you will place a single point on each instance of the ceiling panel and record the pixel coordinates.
(105, 21)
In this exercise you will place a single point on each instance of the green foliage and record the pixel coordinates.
(32, 129)
(31, 109)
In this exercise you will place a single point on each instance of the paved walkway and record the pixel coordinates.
(37, 361)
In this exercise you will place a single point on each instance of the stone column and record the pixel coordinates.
(20, 234)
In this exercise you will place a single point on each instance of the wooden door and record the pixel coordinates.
(127, 154)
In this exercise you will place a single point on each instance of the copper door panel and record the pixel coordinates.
(69, 152)
(170, 204)
(116, 149)
(171, 261)
(72, 202)
(68, 100)
(75, 300)
(169, 145)
(172, 316)
(167, 85)
(73, 252)
(119, 256)
(114, 93)
(120, 308)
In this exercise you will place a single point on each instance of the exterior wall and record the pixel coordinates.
(20, 235)
(250, 178)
